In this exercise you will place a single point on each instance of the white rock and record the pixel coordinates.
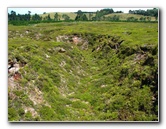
(47, 56)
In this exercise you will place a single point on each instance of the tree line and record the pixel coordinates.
(149, 12)
(99, 15)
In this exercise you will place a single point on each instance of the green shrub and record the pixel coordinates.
(12, 114)
(47, 114)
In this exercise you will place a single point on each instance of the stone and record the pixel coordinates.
(47, 56)
(62, 50)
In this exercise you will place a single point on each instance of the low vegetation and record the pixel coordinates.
(83, 71)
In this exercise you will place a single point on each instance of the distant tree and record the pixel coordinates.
(156, 17)
(131, 12)
(48, 17)
(26, 17)
(149, 18)
(29, 12)
(106, 11)
(132, 19)
(155, 13)
(44, 12)
(65, 17)
(102, 12)
(84, 17)
(90, 15)
(118, 12)
(19, 17)
(79, 12)
(9, 17)
(36, 17)
(29, 16)
(142, 19)
(45, 18)
(93, 18)
(98, 15)
(103, 18)
(56, 17)
(81, 16)
(136, 19)
(59, 17)
(115, 18)
(13, 15)
(150, 12)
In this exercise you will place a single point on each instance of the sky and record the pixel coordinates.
(47, 10)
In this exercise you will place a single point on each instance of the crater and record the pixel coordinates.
(96, 41)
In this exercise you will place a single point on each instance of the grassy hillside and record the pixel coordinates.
(83, 71)
(71, 15)
(122, 16)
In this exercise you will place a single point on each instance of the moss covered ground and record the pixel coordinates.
(110, 74)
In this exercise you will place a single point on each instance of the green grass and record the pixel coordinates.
(100, 83)
(124, 16)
